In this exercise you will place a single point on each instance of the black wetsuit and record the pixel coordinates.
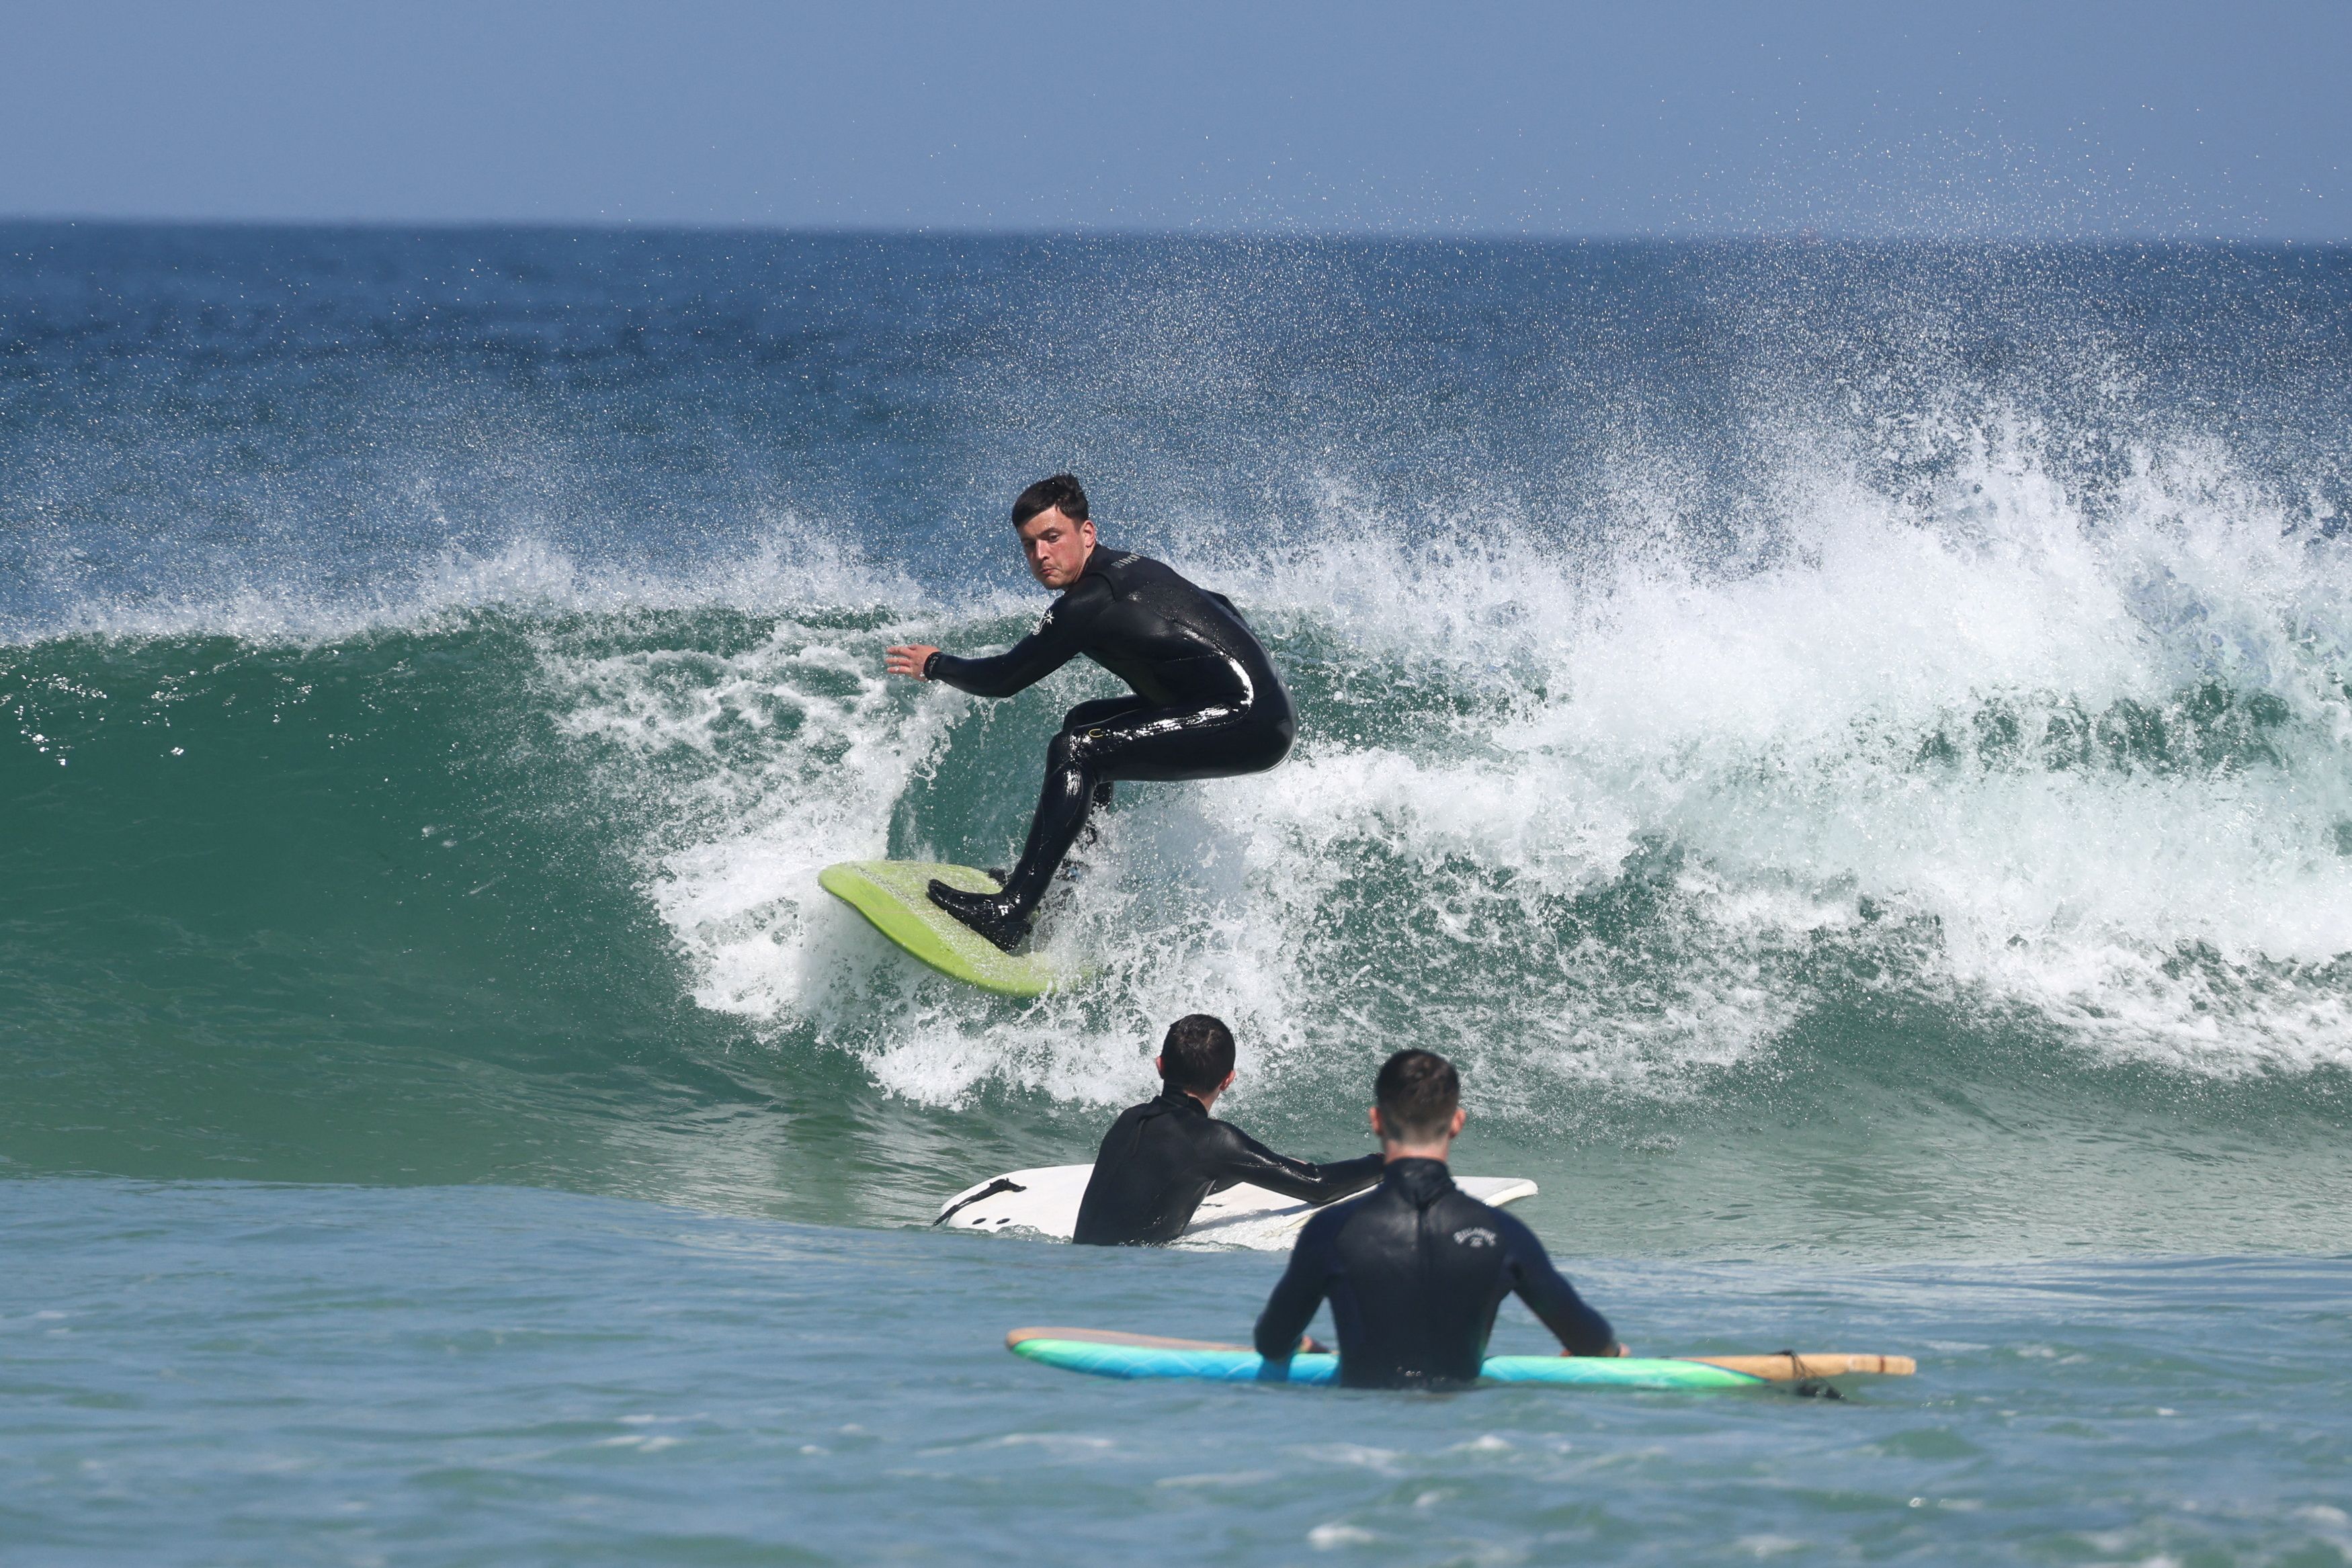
(1160, 1158)
(1207, 705)
(1415, 1269)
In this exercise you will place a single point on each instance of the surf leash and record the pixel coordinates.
(1807, 1385)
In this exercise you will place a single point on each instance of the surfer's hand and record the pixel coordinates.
(1309, 1345)
(909, 660)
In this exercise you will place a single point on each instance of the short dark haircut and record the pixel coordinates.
(1418, 1092)
(1060, 493)
(1197, 1054)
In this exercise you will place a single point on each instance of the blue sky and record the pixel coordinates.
(1989, 119)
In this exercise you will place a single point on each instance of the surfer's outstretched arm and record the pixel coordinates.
(1240, 1158)
(1060, 637)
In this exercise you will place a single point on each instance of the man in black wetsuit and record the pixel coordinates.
(1206, 702)
(1414, 1268)
(1160, 1158)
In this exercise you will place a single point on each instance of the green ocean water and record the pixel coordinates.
(1846, 749)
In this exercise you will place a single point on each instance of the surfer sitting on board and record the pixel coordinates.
(1206, 702)
(1415, 1269)
(1160, 1158)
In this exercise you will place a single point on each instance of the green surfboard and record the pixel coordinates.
(891, 893)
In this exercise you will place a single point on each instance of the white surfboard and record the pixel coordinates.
(1045, 1202)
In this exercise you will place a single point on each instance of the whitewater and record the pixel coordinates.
(1850, 748)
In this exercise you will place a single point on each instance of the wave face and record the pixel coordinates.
(1834, 733)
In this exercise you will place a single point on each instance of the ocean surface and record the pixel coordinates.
(1849, 748)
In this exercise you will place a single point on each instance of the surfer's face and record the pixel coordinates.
(1057, 548)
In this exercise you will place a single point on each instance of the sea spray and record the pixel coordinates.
(2086, 776)
(1845, 723)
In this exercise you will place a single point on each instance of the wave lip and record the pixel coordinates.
(783, 565)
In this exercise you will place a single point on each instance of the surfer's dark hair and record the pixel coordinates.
(1062, 494)
(1197, 1054)
(1418, 1091)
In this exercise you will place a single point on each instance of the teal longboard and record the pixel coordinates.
(1105, 1353)
(891, 893)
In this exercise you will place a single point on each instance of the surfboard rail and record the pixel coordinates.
(1113, 1353)
(1043, 1200)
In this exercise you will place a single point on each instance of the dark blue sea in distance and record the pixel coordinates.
(1849, 748)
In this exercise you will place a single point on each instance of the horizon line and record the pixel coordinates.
(1802, 235)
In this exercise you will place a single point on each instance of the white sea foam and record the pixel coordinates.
(1601, 816)
(1769, 721)
(771, 764)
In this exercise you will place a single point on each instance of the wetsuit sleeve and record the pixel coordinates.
(1580, 1329)
(1059, 638)
(1234, 1157)
(1296, 1296)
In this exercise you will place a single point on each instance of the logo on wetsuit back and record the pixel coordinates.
(1475, 1235)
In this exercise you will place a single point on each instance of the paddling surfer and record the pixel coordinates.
(1206, 702)
(1160, 1158)
(1415, 1269)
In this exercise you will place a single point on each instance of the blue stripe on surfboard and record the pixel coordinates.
(1132, 1361)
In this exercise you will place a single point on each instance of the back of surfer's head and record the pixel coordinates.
(1062, 494)
(1197, 1054)
(1418, 1092)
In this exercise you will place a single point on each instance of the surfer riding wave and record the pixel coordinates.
(1206, 702)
